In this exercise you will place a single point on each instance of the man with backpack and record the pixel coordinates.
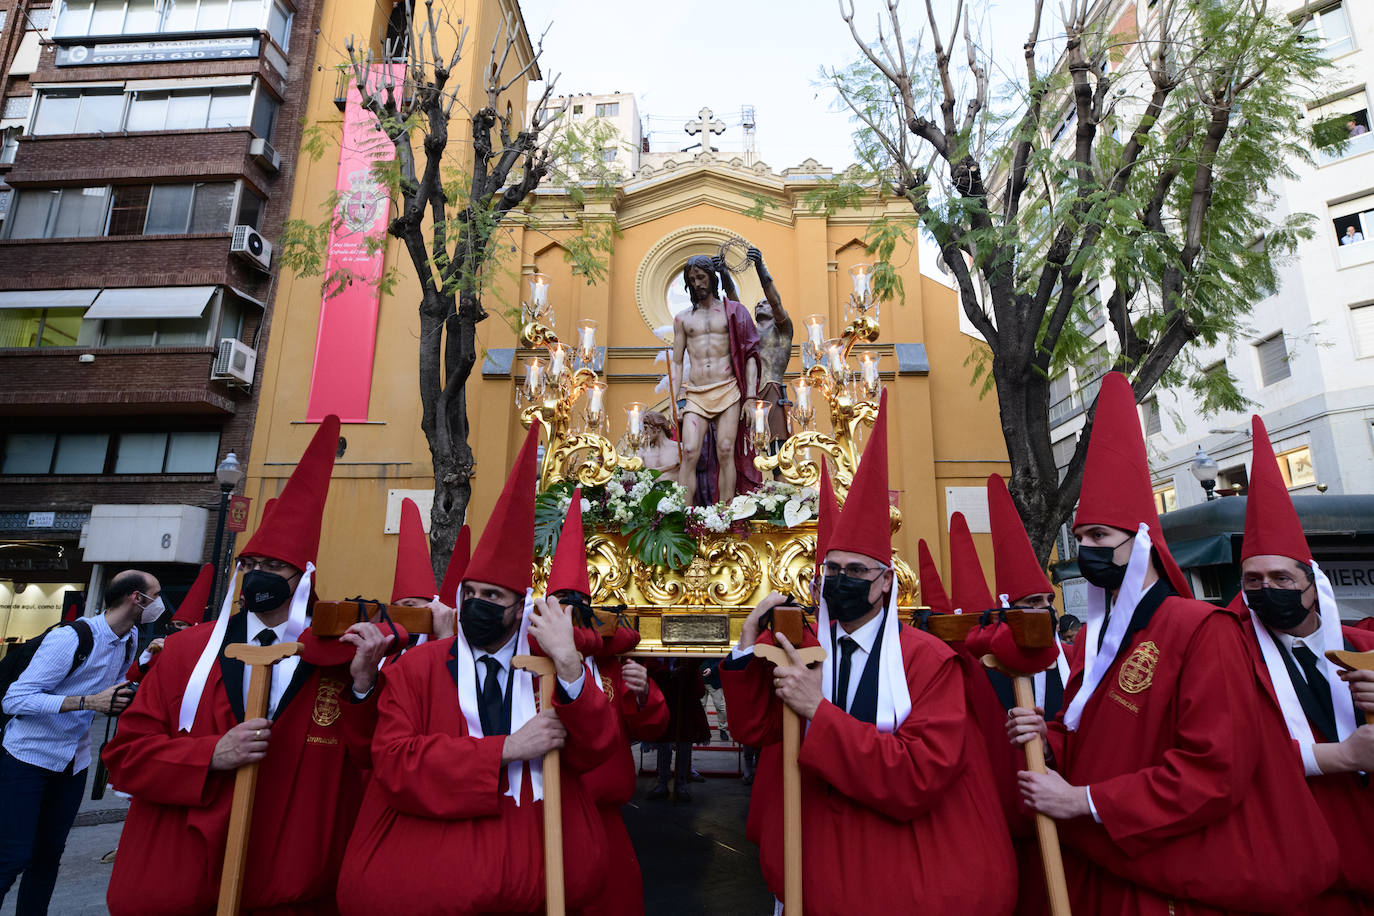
(76, 671)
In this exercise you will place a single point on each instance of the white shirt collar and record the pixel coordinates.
(504, 655)
(865, 635)
(256, 626)
(1312, 640)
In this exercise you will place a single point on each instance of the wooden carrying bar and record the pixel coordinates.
(333, 618)
(1031, 629)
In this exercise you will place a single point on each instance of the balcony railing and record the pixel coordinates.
(1352, 147)
(1358, 253)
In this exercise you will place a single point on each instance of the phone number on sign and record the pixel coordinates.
(151, 56)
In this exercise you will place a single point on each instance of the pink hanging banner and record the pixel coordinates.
(341, 379)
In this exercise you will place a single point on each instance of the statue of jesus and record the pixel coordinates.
(720, 337)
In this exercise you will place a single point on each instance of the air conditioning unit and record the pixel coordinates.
(249, 243)
(234, 362)
(264, 155)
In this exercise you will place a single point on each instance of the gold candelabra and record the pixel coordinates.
(851, 392)
(578, 443)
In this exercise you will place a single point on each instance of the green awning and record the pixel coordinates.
(1206, 551)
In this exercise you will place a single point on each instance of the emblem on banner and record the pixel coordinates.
(608, 688)
(327, 709)
(1139, 668)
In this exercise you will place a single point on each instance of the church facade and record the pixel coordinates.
(945, 438)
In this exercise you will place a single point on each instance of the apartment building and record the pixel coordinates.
(145, 173)
(1306, 359)
(622, 141)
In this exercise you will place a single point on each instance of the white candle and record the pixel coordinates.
(834, 353)
(596, 393)
(586, 337)
(634, 417)
(804, 395)
(761, 408)
(534, 378)
(859, 274)
(539, 290)
(815, 330)
(557, 359)
(870, 370)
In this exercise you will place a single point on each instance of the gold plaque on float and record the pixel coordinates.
(695, 629)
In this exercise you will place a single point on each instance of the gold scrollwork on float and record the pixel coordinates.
(790, 565)
(907, 582)
(659, 586)
(735, 572)
(608, 568)
(588, 458)
(797, 469)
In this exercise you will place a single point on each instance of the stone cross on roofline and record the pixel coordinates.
(705, 124)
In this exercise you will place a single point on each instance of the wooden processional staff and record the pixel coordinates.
(787, 621)
(259, 660)
(553, 792)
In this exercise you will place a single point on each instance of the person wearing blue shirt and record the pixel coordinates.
(47, 744)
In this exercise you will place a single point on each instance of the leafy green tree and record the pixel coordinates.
(1141, 161)
(452, 199)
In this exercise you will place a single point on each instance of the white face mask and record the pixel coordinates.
(152, 610)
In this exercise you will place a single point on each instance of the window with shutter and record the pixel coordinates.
(1362, 323)
(1152, 421)
(1273, 359)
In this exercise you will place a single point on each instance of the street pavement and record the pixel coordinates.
(695, 857)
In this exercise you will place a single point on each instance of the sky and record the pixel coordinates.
(677, 57)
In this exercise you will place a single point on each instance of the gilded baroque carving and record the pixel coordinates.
(735, 571)
(790, 565)
(658, 586)
(608, 568)
(589, 458)
(907, 583)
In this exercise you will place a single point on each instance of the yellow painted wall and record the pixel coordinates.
(942, 433)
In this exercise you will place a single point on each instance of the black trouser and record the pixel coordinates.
(40, 808)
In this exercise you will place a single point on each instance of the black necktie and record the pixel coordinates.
(267, 637)
(1316, 681)
(492, 704)
(847, 647)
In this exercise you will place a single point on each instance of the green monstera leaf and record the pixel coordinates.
(548, 518)
(665, 545)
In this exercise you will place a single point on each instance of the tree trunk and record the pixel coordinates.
(452, 490)
(1023, 406)
(446, 424)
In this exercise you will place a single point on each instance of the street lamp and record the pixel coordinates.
(1204, 468)
(229, 473)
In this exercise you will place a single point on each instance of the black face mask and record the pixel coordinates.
(846, 598)
(483, 622)
(1098, 567)
(1277, 608)
(264, 591)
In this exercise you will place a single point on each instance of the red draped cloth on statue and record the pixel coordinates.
(1199, 790)
(891, 823)
(309, 788)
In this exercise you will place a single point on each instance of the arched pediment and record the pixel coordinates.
(662, 266)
